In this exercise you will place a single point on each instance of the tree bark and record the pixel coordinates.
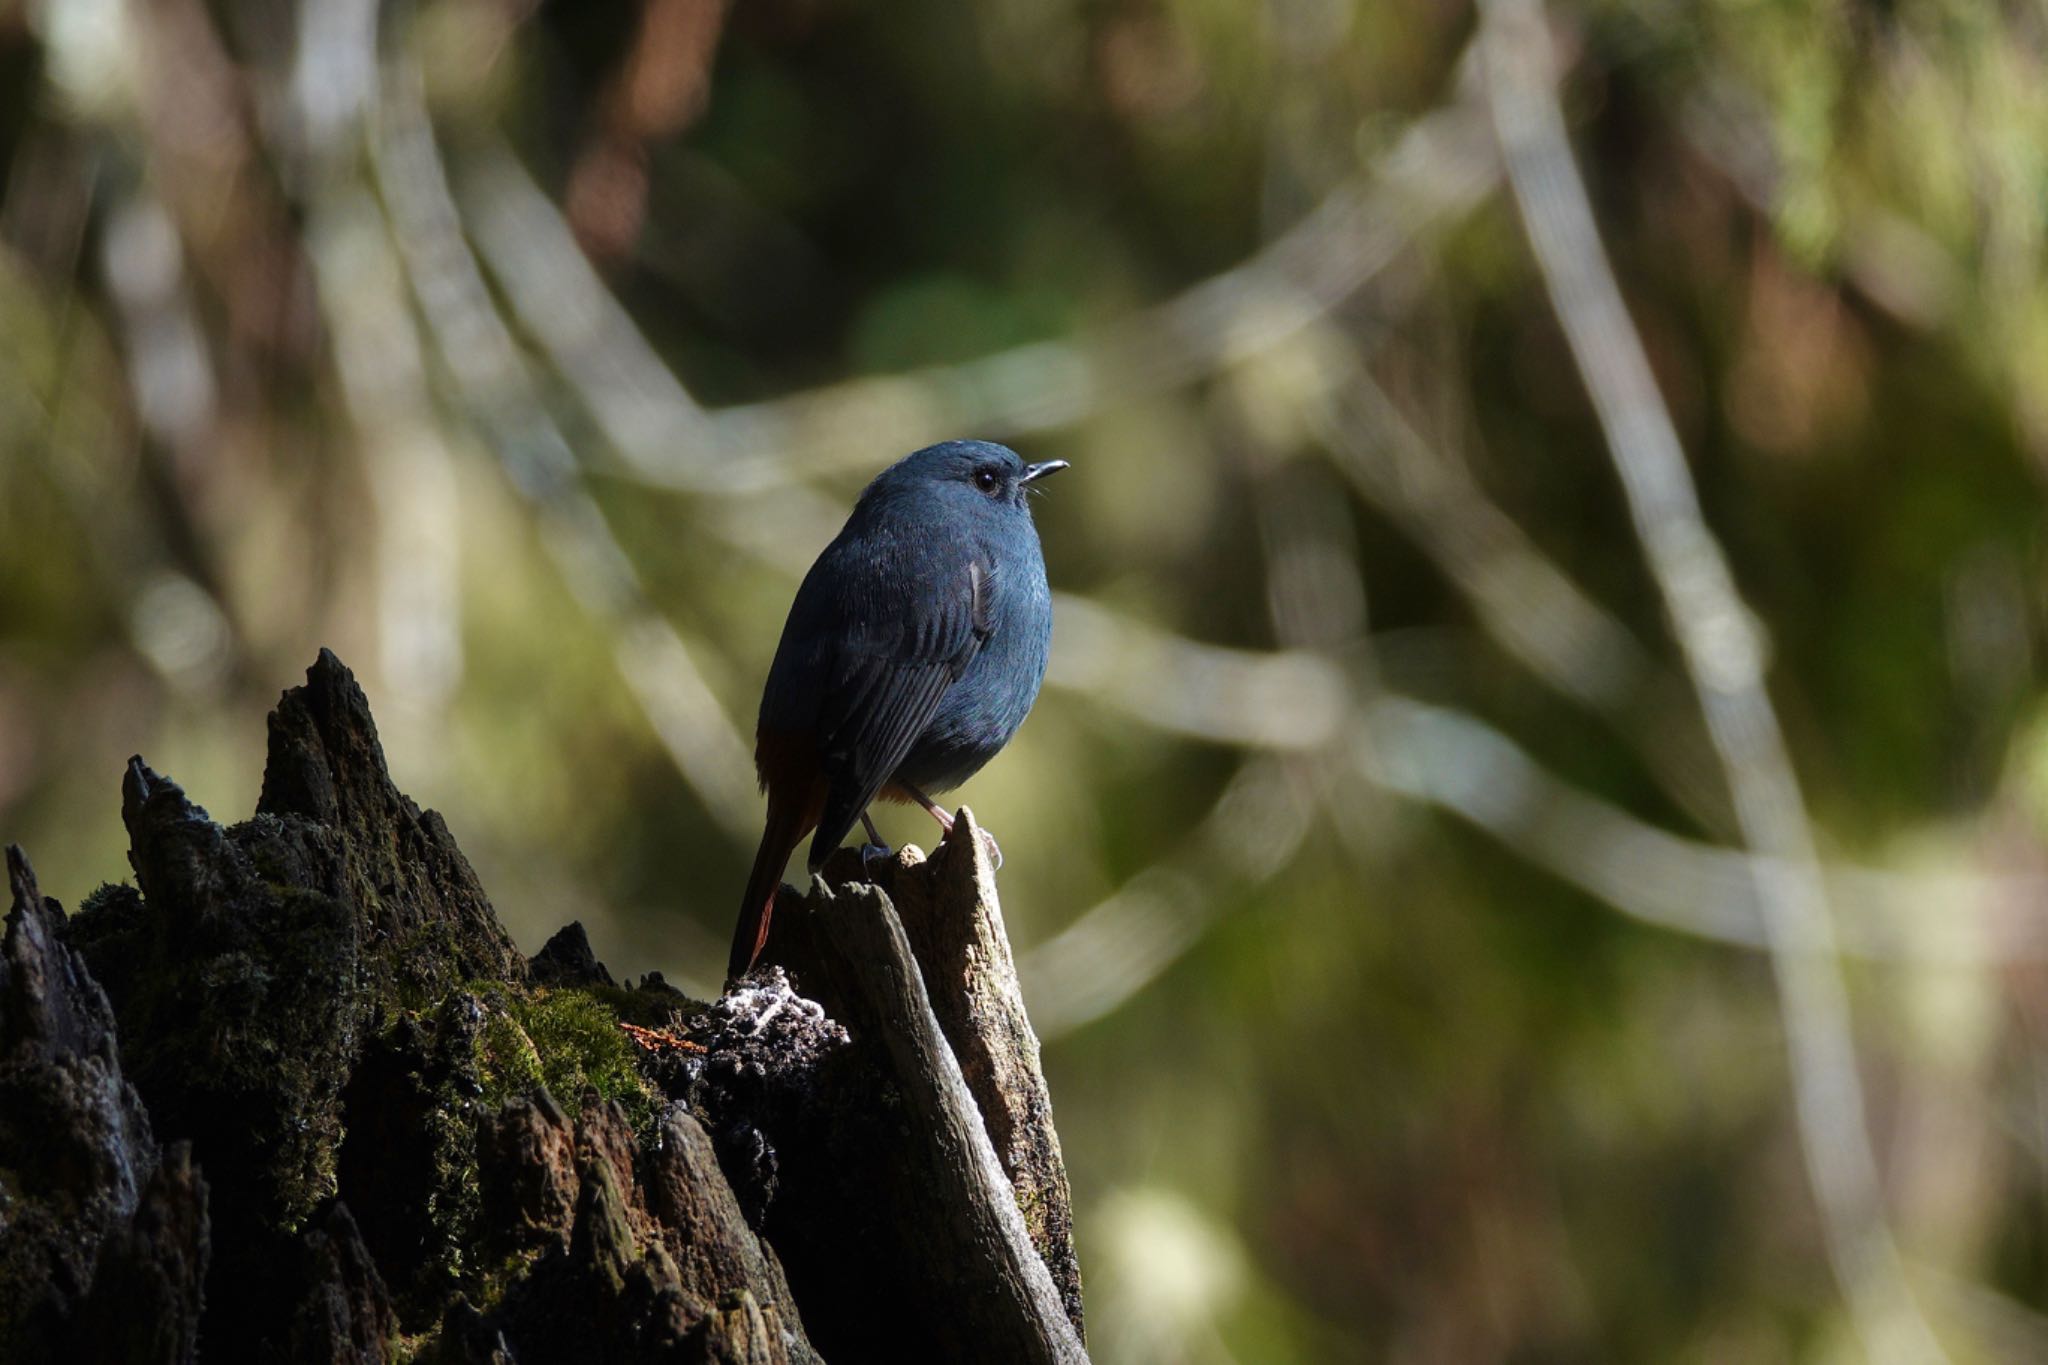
(295, 1096)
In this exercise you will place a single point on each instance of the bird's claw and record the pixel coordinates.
(872, 853)
(995, 851)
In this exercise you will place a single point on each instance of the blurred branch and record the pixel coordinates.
(480, 354)
(1445, 758)
(410, 470)
(644, 411)
(1124, 943)
(1292, 700)
(1439, 167)
(1724, 658)
(1525, 602)
(650, 419)
(1457, 762)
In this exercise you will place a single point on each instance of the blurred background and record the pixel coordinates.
(1425, 972)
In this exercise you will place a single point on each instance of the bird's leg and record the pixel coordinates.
(938, 813)
(874, 848)
(933, 808)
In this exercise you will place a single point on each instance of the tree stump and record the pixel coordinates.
(295, 1096)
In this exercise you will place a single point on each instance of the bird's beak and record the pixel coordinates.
(1040, 470)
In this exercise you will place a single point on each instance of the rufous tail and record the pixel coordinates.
(785, 831)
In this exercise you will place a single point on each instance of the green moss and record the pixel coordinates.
(494, 1282)
(456, 1196)
(409, 987)
(564, 1039)
(119, 894)
(1031, 1203)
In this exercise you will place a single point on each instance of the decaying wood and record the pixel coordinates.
(103, 1235)
(295, 1096)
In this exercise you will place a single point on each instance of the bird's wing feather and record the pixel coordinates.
(888, 676)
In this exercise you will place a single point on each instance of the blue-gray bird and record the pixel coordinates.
(913, 652)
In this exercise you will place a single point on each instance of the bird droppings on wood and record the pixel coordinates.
(764, 1066)
(330, 1091)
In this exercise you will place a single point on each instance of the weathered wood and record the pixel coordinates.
(961, 1199)
(954, 920)
(897, 1128)
(643, 1251)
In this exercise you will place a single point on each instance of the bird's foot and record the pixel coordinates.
(995, 850)
(874, 850)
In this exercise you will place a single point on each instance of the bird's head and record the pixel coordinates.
(990, 472)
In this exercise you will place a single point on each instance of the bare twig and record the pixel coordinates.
(1724, 658)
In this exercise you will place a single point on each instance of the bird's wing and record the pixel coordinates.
(888, 675)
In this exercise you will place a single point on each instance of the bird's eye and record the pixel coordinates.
(987, 480)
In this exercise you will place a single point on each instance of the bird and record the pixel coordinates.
(912, 653)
